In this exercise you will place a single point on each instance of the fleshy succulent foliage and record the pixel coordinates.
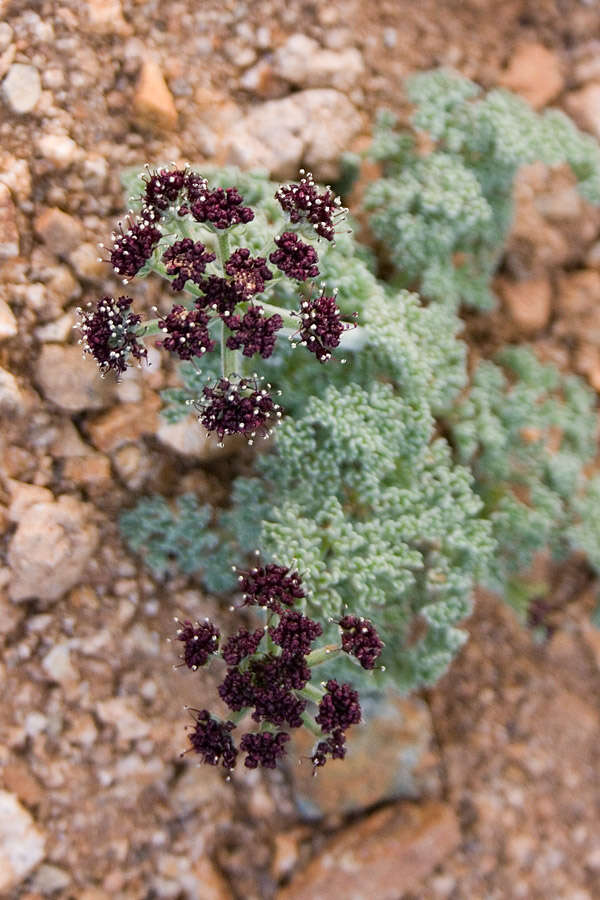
(527, 432)
(443, 216)
(394, 483)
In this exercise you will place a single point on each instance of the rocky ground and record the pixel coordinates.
(497, 765)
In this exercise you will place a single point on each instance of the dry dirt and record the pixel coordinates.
(505, 795)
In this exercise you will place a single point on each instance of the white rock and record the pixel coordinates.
(49, 879)
(302, 62)
(59, 149)
(56, 331)
(22, 88)
(190, 439)
(122, 712)
(8, 323)
(12, 398)
(21, 843)
(6, 35)
(58, 666)
(50, 549)
(71, 381)
(9, 232)
(312, 127)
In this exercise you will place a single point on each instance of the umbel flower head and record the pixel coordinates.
(109, 333)
(271, 586)
(220, 294)
(254, 332)
(187, 260)
(199, 642)
(360, 639)
(219, 207)
(237, 406)
(321, 325)
(249, 273)
(241, 645)
(339, 708)
(295, 633)
(263, 749)
(294, 257)
(303, 203)
(187, 332)
(212, 739)
(162, 187)
(334, 747)
(133, 248)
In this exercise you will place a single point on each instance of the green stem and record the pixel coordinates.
(230, 362)
(224, 252)
(148, 328)
(311, 692)
(322, 654)
(312, 726)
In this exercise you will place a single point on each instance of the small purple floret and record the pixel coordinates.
(254, 331)
(334, 747)
(360, 639)
(294, 257)
(303, 203)
(133, 248)
(220, 294)
(239, 407)
(263, 749)
(109, 334)
(339, 708)
(187, 332)
(321, 326)
(220, 208)
(295, 633)
(241, 645)
(199, 643)
(237, 690)
(212, 740)
(249, 273)
(186, 260)
(163, 187)
(271, 586)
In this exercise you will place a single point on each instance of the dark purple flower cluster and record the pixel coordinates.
(294, 257)
(272, 684)
(295, 633)
(212, 740)
(334, 747)
(219, 207)
(220, 294)
(199, 643)
(303, 203)
(254, 332)
(360, 639)
(109, 333)
(187, 332)
(321, 326)
(263, 749)
(339, 708)
(133, 248)
(271, 586)
(237, 407)
(186, 260)
(163, 187)
(249, 273)
(241, 645)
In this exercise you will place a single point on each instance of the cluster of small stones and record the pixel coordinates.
(270, 683)
(234, 404)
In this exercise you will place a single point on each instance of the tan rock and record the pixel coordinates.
(123, 714)
(91, 469)
(190, 439)
(578, 292)
(584, 106)
(9, 232)
(22, 88)
(70, 380)
(12, 398)
(534, 72)
(529, 303)
(382, 857)
(87, 263)
(210, 881)
(8, 323)
(59, 149)
(125, 424)
(23, 495)
(391, 744)
(19, 780)
(106, 17)
(59, 231)
(21, 843)
(153, 103)
(50, 549)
